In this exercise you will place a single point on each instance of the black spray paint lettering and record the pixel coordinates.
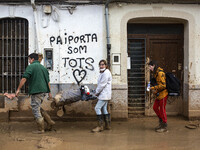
(88, 61)
(85, 38)
(65, 59)
(72, 63)
(77, 50)
(59, 40)
(70, 38)
(83, 64)
(79, 62)
(79, 75)
(52, 38)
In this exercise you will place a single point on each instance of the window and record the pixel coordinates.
(13, 53)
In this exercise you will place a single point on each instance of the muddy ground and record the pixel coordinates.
(135, 134)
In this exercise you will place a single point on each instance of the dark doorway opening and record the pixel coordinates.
(160, 42)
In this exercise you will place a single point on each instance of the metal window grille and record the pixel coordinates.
(136, 77)
(13, 53)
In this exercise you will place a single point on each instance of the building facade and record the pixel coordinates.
(74, 36)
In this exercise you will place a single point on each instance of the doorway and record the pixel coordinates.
(162, 43)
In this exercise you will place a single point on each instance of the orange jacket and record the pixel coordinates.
(161, 84)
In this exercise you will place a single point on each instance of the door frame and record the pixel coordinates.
(147, 53)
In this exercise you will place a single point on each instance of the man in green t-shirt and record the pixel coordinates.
(39, 84)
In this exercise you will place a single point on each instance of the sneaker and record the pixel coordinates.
(38, 132)
(98, 129)
(161, 130)
(160, 124)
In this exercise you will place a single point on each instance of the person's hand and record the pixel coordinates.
(154, 91)
(50, 97)
(10, 96)
(97, 94)
(17, 93)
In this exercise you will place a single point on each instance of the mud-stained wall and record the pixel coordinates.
(194, 102)
(185, 14)
(78, 41)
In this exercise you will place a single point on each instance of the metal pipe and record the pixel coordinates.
(7, 71)
(11, 58)
(15, 54)
(19, 56)
(3, 57)
(24, 48)
(107, 32)
(37, 41)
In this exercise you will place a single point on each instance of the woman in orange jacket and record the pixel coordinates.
(161, 96)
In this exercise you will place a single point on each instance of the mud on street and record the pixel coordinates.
(135, 134)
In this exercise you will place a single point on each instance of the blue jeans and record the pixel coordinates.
(36, 101)
(101, 105)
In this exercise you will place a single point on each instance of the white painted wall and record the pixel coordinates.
(84, 20)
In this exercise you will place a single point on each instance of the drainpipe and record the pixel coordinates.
(107, 32)
(37, 43)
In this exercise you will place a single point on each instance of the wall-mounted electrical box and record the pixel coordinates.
(116, 59)
(48, 58)
(116, 64)
(47, 9)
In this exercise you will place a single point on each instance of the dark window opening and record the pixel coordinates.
(13, 53)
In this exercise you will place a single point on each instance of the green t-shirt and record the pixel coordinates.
(38, 78)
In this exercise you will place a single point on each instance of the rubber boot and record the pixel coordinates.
(163, 128)
(107, 121)
(99, 127)
(40, 124)
(48, 120)
(160, 123)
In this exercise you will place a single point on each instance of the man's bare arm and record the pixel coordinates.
(50, 96)
(22, 82)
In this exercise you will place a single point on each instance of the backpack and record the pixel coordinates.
(173, 84)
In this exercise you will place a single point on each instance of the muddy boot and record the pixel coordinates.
(99, 127)
(107, 121)
(163, 128)
(40, 124)
(159, 126)
(48, 120)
